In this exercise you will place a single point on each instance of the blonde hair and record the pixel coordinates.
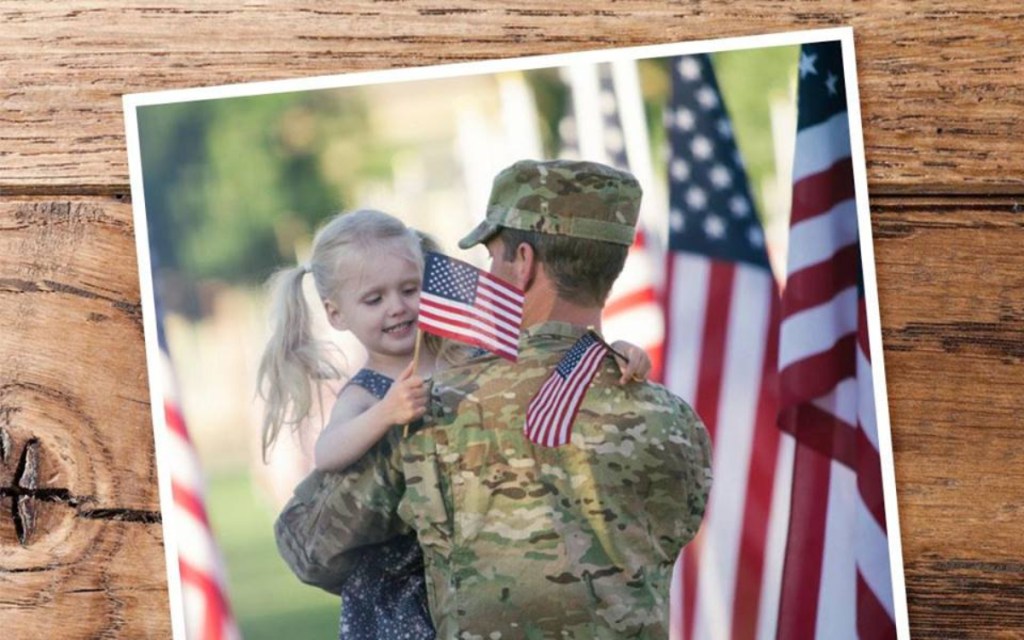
(294, 363)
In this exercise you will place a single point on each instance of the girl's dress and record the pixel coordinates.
(385, 597)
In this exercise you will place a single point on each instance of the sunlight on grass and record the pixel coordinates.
(267, 600)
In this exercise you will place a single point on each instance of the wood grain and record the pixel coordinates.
(950, 276)
(80, 539)
(941, 87)
(942, 93)
(107, 583)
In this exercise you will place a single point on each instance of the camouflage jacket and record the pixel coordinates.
(522, 541)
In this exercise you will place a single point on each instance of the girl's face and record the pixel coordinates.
(379, 301)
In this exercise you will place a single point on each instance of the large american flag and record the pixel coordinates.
(461, 302)
(204, 600)
(721, 349)
(551, 413)
(632, 310)
(837, 581)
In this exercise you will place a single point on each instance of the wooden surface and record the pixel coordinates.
(942, 94)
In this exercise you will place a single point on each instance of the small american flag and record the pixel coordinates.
(552, 411)
(463, 303)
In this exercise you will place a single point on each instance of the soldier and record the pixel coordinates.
(522, 540)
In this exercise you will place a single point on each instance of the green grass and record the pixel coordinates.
(267, 600)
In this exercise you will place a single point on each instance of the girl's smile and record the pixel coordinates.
(401, 329)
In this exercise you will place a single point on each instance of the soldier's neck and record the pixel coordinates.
(544, 307)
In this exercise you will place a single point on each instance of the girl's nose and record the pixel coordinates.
(397, 306)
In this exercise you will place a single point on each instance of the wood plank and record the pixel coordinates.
(950, 275)
(978, 269)
(106, 580)
(941, 86)
(81, 545)
(965, 598)
(72, 360)
(959, 477)
(950, 280)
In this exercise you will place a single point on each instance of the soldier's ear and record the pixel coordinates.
(525, 266)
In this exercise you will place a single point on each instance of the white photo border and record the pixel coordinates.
(132, 102)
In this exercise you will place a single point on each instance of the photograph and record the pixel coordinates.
(584, 345)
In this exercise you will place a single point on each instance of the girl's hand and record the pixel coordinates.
(637, 364)
(406, 400)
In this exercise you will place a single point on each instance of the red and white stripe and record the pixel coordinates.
(837, 580)
(551, 413)
(204, 596)
(493, 321)
(633, 310)
(720, 357)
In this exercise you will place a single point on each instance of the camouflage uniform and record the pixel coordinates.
(519, 540)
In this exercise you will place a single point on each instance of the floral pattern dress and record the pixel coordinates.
(385, 597)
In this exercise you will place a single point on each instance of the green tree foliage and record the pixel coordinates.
(232, 185)
(750, 81)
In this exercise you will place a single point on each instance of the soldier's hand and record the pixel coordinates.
(637, 364)
(406, 400)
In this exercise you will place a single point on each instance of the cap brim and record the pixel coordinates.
(482, 233)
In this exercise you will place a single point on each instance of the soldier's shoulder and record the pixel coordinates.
(471, 371)
(671, 402)
(655, 392)
(644, 394)
(649, 401)
(489, 370)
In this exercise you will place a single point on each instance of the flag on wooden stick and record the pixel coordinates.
(461, 302)
(551, 413)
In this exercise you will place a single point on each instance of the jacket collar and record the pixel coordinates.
(554, 328)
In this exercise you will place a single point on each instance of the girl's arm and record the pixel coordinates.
(357, 423)
(637, 364)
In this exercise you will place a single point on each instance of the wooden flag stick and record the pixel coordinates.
(415, 364)
(416, 349)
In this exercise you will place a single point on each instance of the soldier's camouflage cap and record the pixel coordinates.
(562, 197)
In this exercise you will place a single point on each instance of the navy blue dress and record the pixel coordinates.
(385, 597)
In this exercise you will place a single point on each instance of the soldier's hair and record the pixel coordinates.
(294, 363)
(583, 270)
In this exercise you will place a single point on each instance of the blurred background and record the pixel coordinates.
(235, 188)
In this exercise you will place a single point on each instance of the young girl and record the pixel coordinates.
(367, 267)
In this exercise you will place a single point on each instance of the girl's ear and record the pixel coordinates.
(335, 316)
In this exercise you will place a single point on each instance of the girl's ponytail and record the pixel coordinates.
(293, 362)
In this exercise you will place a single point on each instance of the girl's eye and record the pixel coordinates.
(411, 290)
(372, 301)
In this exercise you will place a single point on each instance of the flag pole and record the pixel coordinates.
(416, 349)
(586, 96)
(415, 364)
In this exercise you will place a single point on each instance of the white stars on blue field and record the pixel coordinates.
(710, 205)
